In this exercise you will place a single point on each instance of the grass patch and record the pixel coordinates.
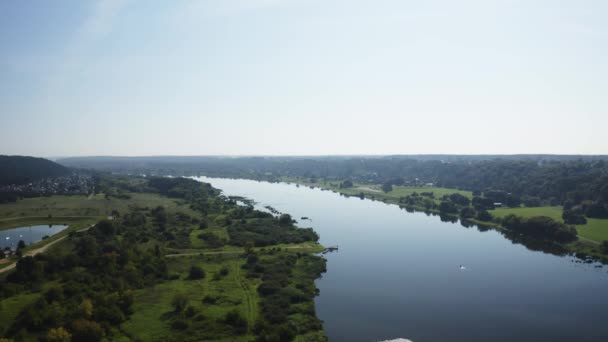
(12, 306)
(96, 206)
(595, 229)
(152, 308)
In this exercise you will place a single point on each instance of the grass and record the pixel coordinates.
(96, 206)
(595, 229)
(12, 306)
(153, 305)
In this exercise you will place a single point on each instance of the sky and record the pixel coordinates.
(303, 77)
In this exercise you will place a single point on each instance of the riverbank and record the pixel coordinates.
(586, 248)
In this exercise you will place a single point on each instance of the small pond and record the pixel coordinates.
(10, 237)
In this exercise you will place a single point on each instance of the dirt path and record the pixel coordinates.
(251, 307)
(366, 188)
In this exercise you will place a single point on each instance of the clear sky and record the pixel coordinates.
(301, 77)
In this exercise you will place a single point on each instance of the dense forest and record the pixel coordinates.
(20, 169)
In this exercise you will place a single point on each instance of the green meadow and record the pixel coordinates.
(595, 229)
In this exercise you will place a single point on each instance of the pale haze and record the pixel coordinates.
(303, 77)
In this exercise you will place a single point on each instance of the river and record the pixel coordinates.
(399, 275)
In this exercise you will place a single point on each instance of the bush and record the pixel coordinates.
(605, 246)
(179, 324)
(58, 335)
(484, 216)
(573, 217)
(86, 331)
(234, 319)
(597, 210)
(179, 302)
(196, 272)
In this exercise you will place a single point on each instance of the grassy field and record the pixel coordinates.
(150, 322)
(96, 206)
(595, 229)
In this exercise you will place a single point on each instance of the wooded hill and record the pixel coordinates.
(21, 169)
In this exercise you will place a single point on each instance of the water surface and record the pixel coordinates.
(30, 234)
(397, 274)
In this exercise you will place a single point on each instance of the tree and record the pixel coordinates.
(597, 210)
(21, 244)
(346, 184)
(86, 331)
(285, 220)
(460, 199)
(234, 319)
(58, 335)
(605, 246)
(447, 208)
(86, 308)
(387, 187)
(484, 215)
(196, 272)
(573, 217)
(467, 212)
(179, 302)
(249, 247)
(105, 227)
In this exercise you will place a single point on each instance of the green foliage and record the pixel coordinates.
(196, 272)
(179, 302)
(86, 331)
(573, 217)
(387, 187)
(266, 232)
(542, 227)
(58, 335)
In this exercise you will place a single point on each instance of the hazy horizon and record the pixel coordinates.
(303, 78)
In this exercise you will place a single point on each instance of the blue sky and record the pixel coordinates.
(301, 77)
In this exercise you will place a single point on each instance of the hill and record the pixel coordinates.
(22, 169)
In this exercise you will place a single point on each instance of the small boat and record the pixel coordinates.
(462, 267)
(8, 237)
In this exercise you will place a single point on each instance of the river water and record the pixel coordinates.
(399, 275)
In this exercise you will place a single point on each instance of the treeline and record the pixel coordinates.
(457, 205)
(542, 179)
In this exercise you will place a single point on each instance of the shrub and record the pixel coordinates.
(196, 272)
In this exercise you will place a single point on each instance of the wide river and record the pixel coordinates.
(398, 275)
